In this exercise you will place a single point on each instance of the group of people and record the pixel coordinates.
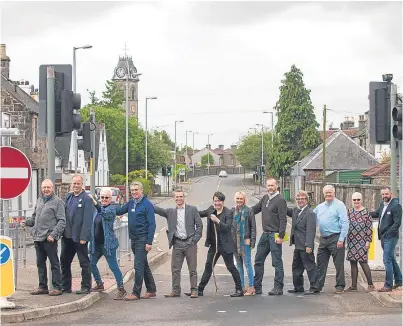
(85, 227)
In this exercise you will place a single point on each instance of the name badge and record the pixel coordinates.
(133, 210)
(80, 205)
(388, 213)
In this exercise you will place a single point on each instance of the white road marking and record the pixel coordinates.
(14, 173)
(242, 311)
(221, 311)
(218, 186)
(226, 295)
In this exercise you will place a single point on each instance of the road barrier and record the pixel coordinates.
(375, 252)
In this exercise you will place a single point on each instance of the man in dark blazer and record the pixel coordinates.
(303, 232)
(184, 232)
(221, 217)
(390, 219)
(77, 234)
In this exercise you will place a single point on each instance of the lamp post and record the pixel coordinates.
(272, 127)
(176, 121)
(193, 148)
(208, 154)
(74, 132)
(146, 170)
(186, 154)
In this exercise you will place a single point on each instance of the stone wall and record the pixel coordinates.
(371, 194)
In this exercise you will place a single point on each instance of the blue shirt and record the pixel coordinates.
(332, 218)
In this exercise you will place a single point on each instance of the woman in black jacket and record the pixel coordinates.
(244, 234)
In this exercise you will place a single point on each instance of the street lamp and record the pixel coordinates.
(147, 98)
(176, 121)
(127, 125)
(74, 132)
(272, 127)
(208, 154)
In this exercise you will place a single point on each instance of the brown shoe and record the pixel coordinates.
(149, 295)
(250, 291)
(351, 289)
(131, 297)
(385, 290)
(121, 294)
(98, 288)
(371, 288)
(40, 291)
(55, 293)
(193, 294)
(173, 295)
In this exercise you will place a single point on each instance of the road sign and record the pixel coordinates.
(15, 172)
(7, 287)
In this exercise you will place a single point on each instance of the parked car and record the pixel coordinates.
(223, 174)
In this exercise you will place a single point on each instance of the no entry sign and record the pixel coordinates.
(15, 172)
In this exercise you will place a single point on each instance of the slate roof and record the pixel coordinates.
(342, 153)
(19, 94)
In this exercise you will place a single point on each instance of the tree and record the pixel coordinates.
(183, 150)
(93, 99)
(113, 96)
(164, 137)
(207, 158)
(296, 127)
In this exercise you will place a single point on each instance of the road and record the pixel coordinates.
(324, 309)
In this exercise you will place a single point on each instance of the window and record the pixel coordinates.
(133, 91)
(34, 131)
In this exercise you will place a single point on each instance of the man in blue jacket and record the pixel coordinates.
(141, 224)
(390, 219)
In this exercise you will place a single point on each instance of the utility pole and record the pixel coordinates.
(393, 150)
(92, 157)
(324, 146)
(50, 113)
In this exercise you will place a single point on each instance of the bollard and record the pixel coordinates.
(375, 252)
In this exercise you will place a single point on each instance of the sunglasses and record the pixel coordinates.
(356, 199)
(103, 197)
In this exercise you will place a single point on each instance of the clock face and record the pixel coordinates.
(121, 72)
(133, 72)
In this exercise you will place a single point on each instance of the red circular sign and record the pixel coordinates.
(15, 172)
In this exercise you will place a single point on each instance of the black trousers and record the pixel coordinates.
(44, 250)
(303, 261)
(229, 263)
(69, 250)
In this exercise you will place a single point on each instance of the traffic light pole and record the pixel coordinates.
(50, 113)
(92, 157)
(393, 149)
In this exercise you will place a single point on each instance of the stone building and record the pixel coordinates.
(20, 110)
(125, 64)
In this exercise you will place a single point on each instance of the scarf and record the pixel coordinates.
(240, 231)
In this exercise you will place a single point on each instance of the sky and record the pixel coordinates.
(215, 65)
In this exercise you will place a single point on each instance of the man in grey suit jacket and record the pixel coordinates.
(303, 232)
(184, 231)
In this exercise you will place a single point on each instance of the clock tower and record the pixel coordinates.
(126, 73)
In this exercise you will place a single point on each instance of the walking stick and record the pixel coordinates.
(216, 250)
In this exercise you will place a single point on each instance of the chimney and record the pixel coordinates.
(5, 62)
(361, 122)
(233, 147)
(221, 147)
(208, 146)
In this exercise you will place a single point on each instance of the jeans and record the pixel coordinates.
(46, 249)
(268, 245)
(391, 267)
(247, 261)
(142, 270)
(69, 250)
(100, 251)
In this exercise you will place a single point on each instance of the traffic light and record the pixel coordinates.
(85, 143)
(379, 113)
(169, 170)
(397, 116)
(263, 170)
(258, 171)
(164, 171)
(69, 119)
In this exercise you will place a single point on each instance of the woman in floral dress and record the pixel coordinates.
(359, 238)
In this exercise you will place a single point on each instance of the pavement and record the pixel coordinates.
(326, 308)
(389, 299)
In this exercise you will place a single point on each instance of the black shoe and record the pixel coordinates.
(238, 293)
(66, 290)
(276, 292)
(83, 291)
(296, 291)
(258, 291)
(312, 291)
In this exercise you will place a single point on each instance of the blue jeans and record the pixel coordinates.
(100, 251)
(391, 267)
(268, 245)
(247, 261)
(142, 270)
